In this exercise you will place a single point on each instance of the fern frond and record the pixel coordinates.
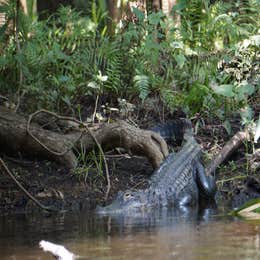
(114, 72)
(141, 83)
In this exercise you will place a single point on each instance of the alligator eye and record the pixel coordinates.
(127, 195)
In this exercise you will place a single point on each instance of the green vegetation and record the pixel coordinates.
(205, 61)
(91, 166)
(250, 210)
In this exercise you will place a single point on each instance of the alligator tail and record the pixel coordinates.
(207, 184)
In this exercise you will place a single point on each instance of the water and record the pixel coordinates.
(166, 234)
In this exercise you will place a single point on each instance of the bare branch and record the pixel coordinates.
(239, 138)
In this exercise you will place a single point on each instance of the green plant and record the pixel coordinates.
(250, 210)
(90, 166)
(60, 59)
(57, 59)
(240, 72)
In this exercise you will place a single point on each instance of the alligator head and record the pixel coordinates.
(125, 201)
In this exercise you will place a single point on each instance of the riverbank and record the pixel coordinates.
(85, 188)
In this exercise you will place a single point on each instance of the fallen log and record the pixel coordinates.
(14, 136)
(238, 139)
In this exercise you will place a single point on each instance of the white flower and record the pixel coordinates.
(101, 78)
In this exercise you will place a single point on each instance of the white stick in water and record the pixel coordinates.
(58, 251)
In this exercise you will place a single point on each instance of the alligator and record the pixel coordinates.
(179, 181)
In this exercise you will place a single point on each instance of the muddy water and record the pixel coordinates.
(159, 235)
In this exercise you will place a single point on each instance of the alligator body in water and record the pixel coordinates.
(179, 181)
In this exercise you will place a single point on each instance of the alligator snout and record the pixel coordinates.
(125, 201)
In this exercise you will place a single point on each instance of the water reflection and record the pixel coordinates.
(161, 234)
(155, 219)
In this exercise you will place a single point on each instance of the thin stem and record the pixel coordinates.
(95, 109)
(17, 25)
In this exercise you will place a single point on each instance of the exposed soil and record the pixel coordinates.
(86, 187)
(55, 186)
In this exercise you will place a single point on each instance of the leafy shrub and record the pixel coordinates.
(63, 59)
(241, 71)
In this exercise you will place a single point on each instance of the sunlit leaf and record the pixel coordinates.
(180, 59)
(100, 117)
(256, 40)
(257, 131)
(63, 78)
(93, 85)
(224, 90)
(139, 14)
(246, 114)
(227, 126)
(177, 45)
(225, 17)
(154, 18)
(250, 210)
(66, 99)
(244, 90)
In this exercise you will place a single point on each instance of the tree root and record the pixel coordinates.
(64, 118)
(79, 123)
(23, 136)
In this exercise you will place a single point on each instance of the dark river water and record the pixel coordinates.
(165, 234)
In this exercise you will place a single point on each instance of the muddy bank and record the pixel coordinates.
(56, 186)
(86, 187)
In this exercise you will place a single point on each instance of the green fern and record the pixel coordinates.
(141, 83)
(249, 16)
(112, 65)
(114, 71)
(171, 98)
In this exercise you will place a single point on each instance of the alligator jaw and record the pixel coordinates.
(125, 202)
(112, 209)
(107, 210)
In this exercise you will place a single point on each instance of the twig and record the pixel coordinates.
(80, 123)
(105, 162)
(95, 109)
(232, 179)
(29, 195)
(3, 97)
(19, 161)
